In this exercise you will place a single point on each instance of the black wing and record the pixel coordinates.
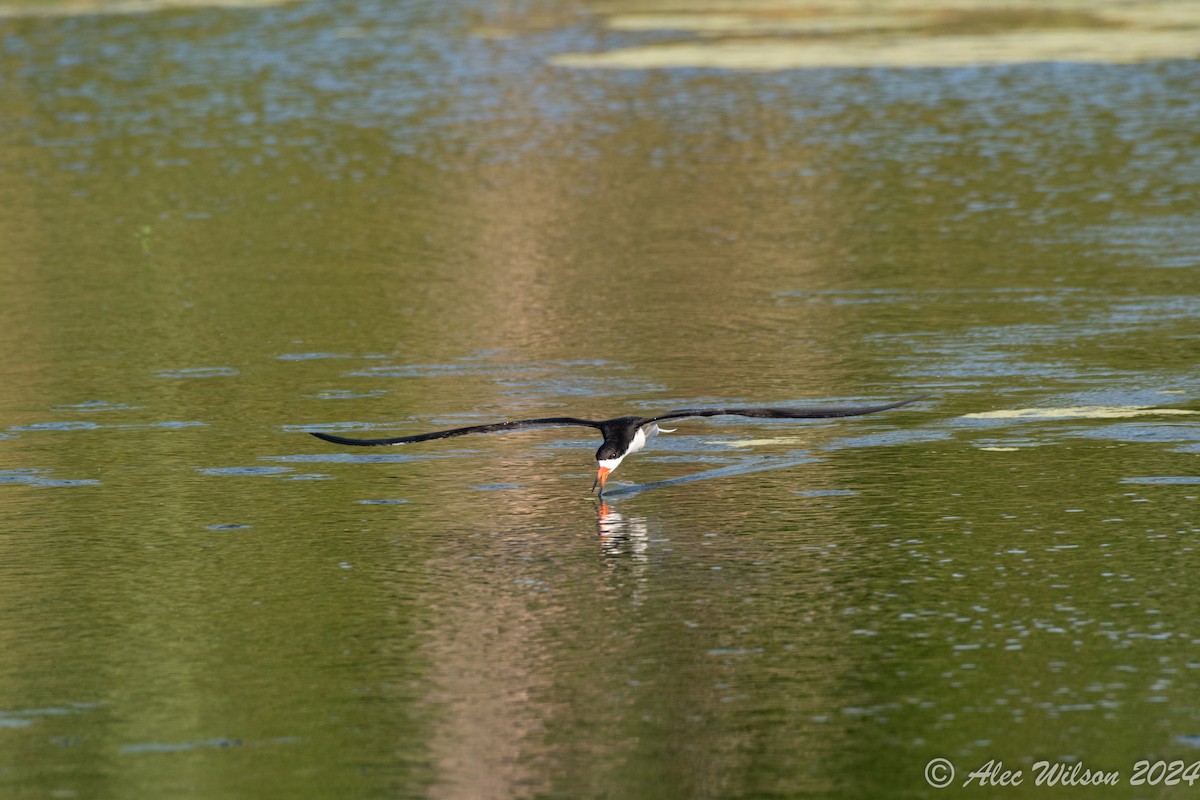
(814, 412)
(495, 426)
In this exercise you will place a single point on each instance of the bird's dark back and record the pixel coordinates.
(617, 433)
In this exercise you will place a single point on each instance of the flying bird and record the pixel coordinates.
(624, 436)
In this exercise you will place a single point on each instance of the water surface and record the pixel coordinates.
(224, 228)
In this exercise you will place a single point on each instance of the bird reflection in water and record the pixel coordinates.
(624, 548)
(621, 536)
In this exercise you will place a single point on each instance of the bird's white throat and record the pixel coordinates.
(609, 463)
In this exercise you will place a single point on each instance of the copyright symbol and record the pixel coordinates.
(939, 773)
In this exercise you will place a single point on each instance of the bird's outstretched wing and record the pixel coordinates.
(814, 412)
(542, 422)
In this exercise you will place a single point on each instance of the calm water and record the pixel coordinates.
(223, 228)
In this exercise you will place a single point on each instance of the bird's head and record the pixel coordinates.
(607, 459)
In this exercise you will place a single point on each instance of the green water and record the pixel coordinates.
(221, 229)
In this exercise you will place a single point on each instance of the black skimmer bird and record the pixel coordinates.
(624, 436)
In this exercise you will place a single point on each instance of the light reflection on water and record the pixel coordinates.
(217, 222)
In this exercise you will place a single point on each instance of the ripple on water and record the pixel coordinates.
(87, 425)
(64, 425)
(327, 427)
(40, 477)
(203, 744)
(319, 356)
(93, 405)
(1006, 445)
(438, 370)
(26, 717)
(286, 473)
(344, 394)
(171, 424)
(199, 372)
(245, 471)
(1184, 434)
